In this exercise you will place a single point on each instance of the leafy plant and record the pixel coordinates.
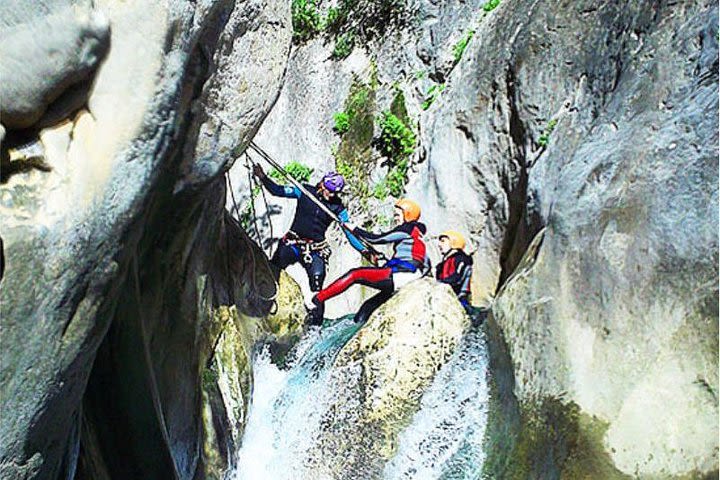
(490, 5)
(306, 20)
(344, 45)
(545, 136)
(295, 169)
(397, 140)
(342, 122)
(397, 178)
(380, 191)
(432, 94)
(462, 44)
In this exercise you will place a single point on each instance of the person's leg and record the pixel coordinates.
(380, 278)
(369, 276)
(372, 304)
(284, 256)
(316, 272)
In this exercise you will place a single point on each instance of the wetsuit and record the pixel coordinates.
(305, 242)
(409, 261)
(456, 270)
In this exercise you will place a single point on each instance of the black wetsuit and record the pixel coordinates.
(307, 230)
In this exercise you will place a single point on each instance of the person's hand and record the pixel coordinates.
(258, 171)
(371, 257)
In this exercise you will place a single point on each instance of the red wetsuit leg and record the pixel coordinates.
(365, 276)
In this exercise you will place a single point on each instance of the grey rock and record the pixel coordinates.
(44, 55)
(618, 297)
(111, 276)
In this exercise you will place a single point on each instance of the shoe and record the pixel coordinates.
(316, 312)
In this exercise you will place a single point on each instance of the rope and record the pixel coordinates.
(252, 200)
(253, 259)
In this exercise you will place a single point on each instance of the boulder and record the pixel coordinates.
(381, 374)
(45, 53)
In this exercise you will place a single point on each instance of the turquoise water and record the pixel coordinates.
(443, 440)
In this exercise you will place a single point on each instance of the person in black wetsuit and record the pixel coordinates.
(305, 241)
(455, 269)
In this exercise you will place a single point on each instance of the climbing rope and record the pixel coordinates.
(253, 259)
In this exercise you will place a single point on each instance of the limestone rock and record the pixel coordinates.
(289, 318)
(381, 375)
(44, 55)
(111, 274)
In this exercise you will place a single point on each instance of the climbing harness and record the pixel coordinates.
(307, 247)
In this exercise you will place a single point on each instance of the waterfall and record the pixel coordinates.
(443, 440)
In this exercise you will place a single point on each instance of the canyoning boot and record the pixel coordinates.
(316, 312)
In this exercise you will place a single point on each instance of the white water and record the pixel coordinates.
(443, 440)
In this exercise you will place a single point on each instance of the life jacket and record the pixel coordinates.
(311, 222)
(411, 249)
(456, 270)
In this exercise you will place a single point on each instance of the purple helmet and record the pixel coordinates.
(334, 182)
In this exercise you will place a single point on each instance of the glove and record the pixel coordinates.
(372, 257)
(258, 171)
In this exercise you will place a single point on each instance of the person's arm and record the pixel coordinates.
(287, 191)
(345, 218)
(391, 236)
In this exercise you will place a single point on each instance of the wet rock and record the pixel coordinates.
(381, 374)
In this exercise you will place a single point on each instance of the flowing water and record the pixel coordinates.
(443, 440)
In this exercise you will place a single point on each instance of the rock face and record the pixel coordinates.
(45, 54)
(598, 123)
(381, 375)
(117, 257)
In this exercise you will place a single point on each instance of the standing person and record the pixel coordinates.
(409, 261)
(305, 241)
(455, 269)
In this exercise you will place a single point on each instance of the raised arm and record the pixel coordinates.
(287, 191)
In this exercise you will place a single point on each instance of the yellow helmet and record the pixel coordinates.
(456, 239)
(410, 209)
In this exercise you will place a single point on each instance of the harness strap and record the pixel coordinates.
(307, 247)
(399, 265)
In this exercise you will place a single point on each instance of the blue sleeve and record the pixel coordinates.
(345, 217)
(287, 191)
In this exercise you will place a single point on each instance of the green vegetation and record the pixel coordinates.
(342, 122)
(397, 143)
(462, 44)
(306, 20)
(397, 140)
(490, 5)
(355, 124)
(295, 169)
(545, 136)
(344, 45)
(432, 94)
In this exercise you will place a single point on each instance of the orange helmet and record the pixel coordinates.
(410, 209)
(456, 239)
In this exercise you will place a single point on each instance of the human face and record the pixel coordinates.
(399, 218)
(326, 194)
(444, 245)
